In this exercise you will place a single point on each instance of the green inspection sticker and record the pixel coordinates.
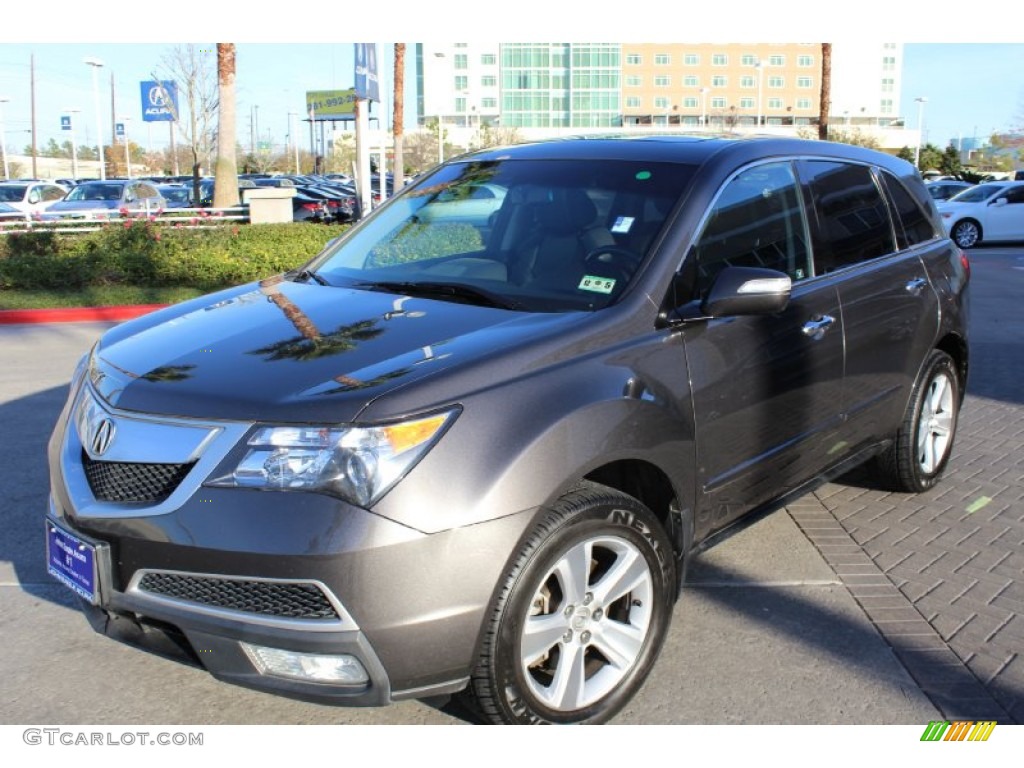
(643, 175)
(596, 284)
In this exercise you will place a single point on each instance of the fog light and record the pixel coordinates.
(315, 667)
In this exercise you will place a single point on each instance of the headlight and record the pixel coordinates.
(357, 464)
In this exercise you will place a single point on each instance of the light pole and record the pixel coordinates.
(295, 143)
(3, 139)
(96, 64)
(921, 101)
(127, 150)
(759, 66)
(440, 55)
(704, 106)
(74, 149)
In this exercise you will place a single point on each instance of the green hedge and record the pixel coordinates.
(142, 253)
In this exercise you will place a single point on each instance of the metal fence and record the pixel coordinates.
(93, 220)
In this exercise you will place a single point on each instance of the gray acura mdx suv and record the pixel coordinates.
(471, 449)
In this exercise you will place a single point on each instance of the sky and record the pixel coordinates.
(973, 88)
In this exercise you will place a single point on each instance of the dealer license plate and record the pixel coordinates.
(71, 561)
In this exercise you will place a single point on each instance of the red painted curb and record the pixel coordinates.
(76, 314)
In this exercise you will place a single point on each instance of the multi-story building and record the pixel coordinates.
(545, 87)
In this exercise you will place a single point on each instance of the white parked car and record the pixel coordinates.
(31, 197)
(993, 212)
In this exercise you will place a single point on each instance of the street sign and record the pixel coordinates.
(159, 100)
(331, 105)
(119, 130)
(65, 122)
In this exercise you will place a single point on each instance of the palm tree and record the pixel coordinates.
(826, 90)
(312, 343)
(399, 168)
(225, 187)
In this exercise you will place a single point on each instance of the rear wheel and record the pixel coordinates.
(582, 614)
(966, 233)
(924, 441)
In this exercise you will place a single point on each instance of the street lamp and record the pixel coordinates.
(96, 64)
(3, 139)
(440, 138)
(127, 151)
(921, 101)
(759, 66)
(704, 106)
(74, 148)
(295, 143)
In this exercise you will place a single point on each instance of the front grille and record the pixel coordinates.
(269, 598)
(128, 481)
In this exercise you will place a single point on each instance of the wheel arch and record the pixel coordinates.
(648, 484)
(955, 345)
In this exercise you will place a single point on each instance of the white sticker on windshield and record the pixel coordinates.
(622, 225)
(597, 284)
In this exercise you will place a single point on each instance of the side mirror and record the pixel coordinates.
(999, 202)
(747, 291)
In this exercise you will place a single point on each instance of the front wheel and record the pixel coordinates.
(582, 614)
(966, 234)
(924, 441)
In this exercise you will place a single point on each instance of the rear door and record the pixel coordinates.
(1006, 221)
(889, 310)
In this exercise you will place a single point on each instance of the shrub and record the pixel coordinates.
(141, 253)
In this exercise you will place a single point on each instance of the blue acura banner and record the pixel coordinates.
(366, 72)
(159, 100)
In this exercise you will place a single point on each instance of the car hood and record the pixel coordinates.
(285, 351)
(82, 205)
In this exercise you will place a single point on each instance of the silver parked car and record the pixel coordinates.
(96, 199)
(474, 454)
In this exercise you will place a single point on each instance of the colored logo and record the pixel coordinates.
(958, 730)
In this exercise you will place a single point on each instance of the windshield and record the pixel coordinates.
(95, 192)
(978, 194)
(540, 235)
(11, 194)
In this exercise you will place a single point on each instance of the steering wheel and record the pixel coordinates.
(612, 261)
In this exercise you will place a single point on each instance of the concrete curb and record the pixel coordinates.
(76, 314)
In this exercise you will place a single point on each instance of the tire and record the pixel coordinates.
(924, 441)
(966, 233)
(581, 616)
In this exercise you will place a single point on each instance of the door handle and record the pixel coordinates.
(816, 328)
(916, 285)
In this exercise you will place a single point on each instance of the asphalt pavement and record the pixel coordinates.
(851, 606)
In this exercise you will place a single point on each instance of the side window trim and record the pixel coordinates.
(690, 254)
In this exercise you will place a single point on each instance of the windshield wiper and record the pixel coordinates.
(468, 293)
(308, 274)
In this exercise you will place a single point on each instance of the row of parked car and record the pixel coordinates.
(316, 199)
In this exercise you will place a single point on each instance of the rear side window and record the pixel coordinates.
(914, 225)
(757, 221)
(853, 219)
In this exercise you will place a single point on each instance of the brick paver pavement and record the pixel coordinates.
(941, 574)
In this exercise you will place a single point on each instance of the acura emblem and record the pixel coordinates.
(102, 437)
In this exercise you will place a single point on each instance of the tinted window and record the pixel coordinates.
(915, 226)
(852, 216)
(1014, 195)
(757, 221)
(977, 194)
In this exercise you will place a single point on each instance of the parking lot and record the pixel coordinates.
(850, 606)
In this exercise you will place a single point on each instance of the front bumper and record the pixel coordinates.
(189, 576)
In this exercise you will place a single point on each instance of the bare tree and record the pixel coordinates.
(225, 186)
(825, 104)
(398, 129)
(192, 68)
